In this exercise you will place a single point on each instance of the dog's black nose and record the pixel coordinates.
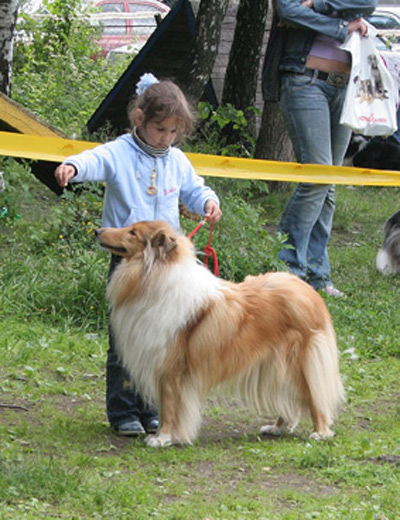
(97, 232)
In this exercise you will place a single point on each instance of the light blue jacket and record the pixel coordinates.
(126, 169)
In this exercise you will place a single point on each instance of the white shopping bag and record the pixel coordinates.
(371, 97)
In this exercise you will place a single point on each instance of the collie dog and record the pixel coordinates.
(388, 257)
(181, 331)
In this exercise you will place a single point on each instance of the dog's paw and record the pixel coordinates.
(321, 436)
(161, 440)
(272, 429)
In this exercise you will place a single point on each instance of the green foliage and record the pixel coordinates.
(58, 70)
(214, 136)
(62, 236)
(215, 131)
(12, 193)
(247, 189)
(242, 244)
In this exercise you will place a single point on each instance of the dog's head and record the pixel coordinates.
(356, 144)
(154, 240)
(373, 60)
(392, 223)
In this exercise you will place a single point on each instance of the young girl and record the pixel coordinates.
(145, 178)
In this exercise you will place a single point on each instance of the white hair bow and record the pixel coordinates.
(145, 81)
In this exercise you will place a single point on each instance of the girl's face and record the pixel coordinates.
(159, 134)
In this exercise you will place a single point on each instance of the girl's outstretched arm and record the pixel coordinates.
(63, 173)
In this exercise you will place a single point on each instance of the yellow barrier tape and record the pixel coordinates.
(56, 150)
(40, 148)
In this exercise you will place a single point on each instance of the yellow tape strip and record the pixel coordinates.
(56, 150)
(40, 148)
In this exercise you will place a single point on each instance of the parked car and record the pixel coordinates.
(387, 21)
(127, 22)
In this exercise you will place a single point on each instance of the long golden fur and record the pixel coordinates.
(181, 331)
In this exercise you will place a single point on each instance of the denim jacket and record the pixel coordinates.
(289, 46)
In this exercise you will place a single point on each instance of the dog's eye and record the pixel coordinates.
(132, 232)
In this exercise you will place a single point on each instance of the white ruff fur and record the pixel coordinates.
(148, 327)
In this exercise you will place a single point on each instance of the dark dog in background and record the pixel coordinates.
(377, 153)
(356, 145)
(388, 257)
(380, 154)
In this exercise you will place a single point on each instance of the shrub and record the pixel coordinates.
(58, 70)
(242, 244)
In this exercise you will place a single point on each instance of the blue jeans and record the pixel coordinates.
(311, 109)
(123, 402)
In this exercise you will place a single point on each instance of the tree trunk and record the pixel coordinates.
(241, 79)
(196, 71)
(8, 17)
(273, 141)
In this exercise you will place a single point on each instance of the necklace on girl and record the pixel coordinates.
(152, 189)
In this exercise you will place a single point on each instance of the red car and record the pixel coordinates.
(127, 22)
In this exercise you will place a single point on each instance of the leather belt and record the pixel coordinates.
(336, 79)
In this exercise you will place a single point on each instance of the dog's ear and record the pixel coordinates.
(157, 248)
(162, 244)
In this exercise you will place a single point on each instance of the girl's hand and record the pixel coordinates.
(358, 25)
(308, 3)
(64, 173)
(212, 211)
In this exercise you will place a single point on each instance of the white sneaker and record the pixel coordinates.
(330, 290)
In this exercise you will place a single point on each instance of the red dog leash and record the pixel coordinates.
(208, 250)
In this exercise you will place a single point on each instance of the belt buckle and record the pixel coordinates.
(337, 79)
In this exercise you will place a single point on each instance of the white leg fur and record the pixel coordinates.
(160, 440)
(316, 436)
(272, 429)
(384, 263)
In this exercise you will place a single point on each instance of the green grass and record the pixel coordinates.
(58, 456)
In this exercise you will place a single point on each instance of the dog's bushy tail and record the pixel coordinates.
(321, 371)
(287, 386)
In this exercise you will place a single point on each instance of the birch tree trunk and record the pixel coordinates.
(241, 78)
(196, 71)
(8, 17)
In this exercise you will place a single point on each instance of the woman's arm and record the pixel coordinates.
(307, 16)
(359, 7)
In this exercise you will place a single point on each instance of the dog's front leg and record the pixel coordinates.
(169, 397)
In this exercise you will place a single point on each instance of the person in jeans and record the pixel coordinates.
(305, 65)
(145, 178)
